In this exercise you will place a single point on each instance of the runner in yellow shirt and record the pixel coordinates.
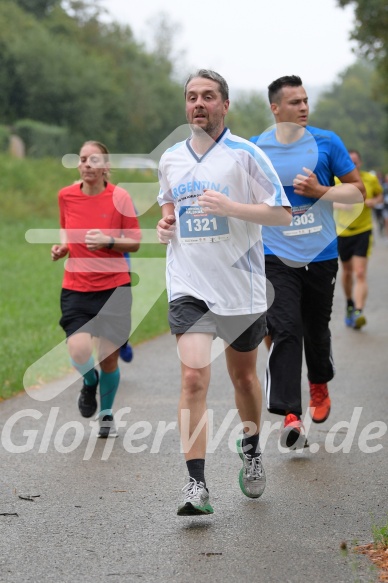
(355, 245)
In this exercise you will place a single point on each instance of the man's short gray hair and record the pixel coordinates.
(213, 76)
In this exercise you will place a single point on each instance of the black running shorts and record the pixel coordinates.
(105, 313)
(359, 245)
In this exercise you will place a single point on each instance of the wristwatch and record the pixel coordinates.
(111, 244)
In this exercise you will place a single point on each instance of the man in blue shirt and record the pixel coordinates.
(302, 258)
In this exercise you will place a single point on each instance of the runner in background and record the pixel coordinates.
(355, 240)
(98, 224)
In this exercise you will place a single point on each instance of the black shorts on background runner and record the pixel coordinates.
(359, 245)
(105, 313)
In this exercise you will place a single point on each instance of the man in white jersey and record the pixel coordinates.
(216, 190)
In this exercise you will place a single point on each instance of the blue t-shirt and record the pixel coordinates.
(311, 235)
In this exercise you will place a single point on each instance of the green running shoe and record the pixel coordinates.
(196, 500)
(252, 475)
(358, 319)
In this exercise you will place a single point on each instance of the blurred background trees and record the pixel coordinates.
(62, 66)
(68, 74)
(371, 33)
(350, 109)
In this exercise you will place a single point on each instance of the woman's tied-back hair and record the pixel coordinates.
(213, 76)
(104, 151)
(276, 86)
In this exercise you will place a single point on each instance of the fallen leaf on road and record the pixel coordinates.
(378, 555)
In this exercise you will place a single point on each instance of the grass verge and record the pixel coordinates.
(377, 551)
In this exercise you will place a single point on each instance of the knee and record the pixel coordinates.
(360, 275)
(347, 270)
(80, 352)
(245, 382)
(109, 362)
(193, 383)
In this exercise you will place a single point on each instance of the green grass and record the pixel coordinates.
(380, 535)
(30, 336)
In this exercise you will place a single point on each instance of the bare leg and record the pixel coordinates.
(361, 285)
(194, 351)
(80, 347)
(108, 354)
(243, 373)
(347, 278)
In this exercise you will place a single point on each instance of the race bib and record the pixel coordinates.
(197, 226)
(306, 219)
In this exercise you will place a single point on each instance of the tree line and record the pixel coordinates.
(63, 67)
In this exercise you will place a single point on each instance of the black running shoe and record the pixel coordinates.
(87, 402)
(292, 435)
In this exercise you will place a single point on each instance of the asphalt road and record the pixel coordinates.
(74, 508)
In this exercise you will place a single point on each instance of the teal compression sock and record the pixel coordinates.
(109, 383)
(86, 370)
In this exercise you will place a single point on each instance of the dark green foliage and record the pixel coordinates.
(4, 138)
(68, 69)
(371, 28)
(43, 140)
(371, 33)
(350, 109)
(249, 115)
(38, 7)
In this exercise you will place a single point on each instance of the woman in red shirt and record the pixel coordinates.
(98, 225)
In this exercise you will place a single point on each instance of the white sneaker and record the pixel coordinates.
(196, 499)
(107, 427)
(252, 478)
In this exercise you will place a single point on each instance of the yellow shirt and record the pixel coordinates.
(362, 222)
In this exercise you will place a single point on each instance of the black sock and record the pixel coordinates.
(250, 444)
(196, 469)
(349, 303)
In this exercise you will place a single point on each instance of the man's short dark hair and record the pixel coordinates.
(276, 86)
(213, 76)
(355, 152)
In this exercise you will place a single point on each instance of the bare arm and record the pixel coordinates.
(372, 202)
(59, 251)
(218, 204)
(350, 191)
(96, 239)
(166, 226)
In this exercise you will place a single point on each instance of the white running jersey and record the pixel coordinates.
(217, 259)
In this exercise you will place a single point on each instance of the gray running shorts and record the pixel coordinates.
(243, 333)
